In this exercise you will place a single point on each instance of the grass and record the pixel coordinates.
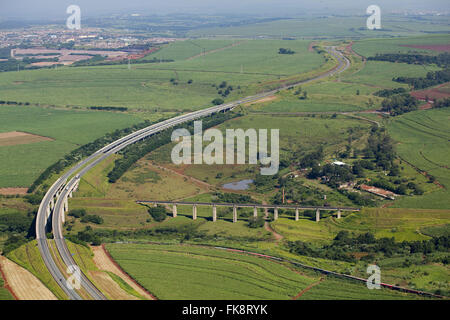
(297, 135)
(402, 224)
(423, 141)
(379, 74)
(182, 272)
(182, 50)
(330, 27)
(22, 164)
(322, 97)
(336, 289)
(199, 273)
(370, 47)
(148, 86)
(124, 286)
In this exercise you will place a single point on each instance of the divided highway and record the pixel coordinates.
(52, 207)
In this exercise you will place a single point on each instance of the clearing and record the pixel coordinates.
(16, 137)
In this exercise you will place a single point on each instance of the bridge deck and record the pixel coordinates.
(247, 205)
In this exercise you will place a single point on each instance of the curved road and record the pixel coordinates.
(53, 203)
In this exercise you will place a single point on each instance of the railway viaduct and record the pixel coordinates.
(254, 206)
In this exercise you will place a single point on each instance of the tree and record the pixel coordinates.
(158, 213)
(255, 222)
(218, 101)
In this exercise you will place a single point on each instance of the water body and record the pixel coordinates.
(239, 185)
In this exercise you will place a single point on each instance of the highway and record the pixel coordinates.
(52, 205)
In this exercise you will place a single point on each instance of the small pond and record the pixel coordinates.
(239, 185)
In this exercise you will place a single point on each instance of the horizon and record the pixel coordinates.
(56, 10)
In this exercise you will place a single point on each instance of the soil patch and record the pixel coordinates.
(104, 261)
(437, 47)
(23, 284)
(16, 137)
(13, 191)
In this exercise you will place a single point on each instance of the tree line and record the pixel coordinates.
(432, 78)
(399, 104)
(344, 245)
(84, 151)
(441, 60)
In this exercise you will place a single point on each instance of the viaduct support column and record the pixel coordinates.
(174, 211)
(70, 194)
(339, 214)
(66, 205)
(275, 214)
(234, 214)
(52, 203)
(255, 212)
(48, 211)
(194, 212)
(296, 214)
(317, 215)
(214, 213)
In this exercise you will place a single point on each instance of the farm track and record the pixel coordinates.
(308, 288)
(216, 50)
(432, 162)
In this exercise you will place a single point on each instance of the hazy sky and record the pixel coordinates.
(54, 9)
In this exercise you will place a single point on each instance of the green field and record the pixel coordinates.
(379, 74)
(149, 86)
(402, 224)
(370, 47)
(23, 163)
(182, 50)
(191, 272)
(423, 141)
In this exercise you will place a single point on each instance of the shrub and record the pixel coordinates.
(255, 222)
(77, 213)
(92, 219)
(158, 213)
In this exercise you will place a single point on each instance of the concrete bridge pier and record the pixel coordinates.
(52, 203)
(317, 215)
(275, 214)
(71, 194)
(214, 213)
(234, 214)
(174, 211)
(48, 212)
(339, 214)
(194, 212)
(66, 205)
(255, 212)
(296, 214)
